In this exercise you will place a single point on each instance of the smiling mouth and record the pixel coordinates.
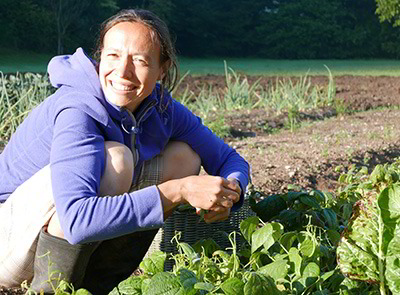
(121, 87)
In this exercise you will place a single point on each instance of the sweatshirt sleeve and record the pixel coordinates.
(77, 163)
(217, 157)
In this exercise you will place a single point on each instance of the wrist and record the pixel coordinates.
(170, 194)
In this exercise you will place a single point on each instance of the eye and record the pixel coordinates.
(140, 61)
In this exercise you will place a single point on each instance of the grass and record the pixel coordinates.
(292, 67)
(12, 61)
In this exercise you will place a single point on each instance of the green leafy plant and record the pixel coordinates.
(369, 248)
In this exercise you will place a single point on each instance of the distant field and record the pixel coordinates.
(292, 67)
(33, 62)
(10, 61)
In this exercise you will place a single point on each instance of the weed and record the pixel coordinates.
(217, 125)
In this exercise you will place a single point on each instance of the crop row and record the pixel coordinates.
(300, 242)
(19, 93)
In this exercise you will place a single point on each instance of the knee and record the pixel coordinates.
(118, 171)
(180, 160)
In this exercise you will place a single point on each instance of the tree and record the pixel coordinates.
(388, 10)
(66, 12)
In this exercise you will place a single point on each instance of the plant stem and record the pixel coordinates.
(381, 257)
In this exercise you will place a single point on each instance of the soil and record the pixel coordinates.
(364, 135)
(308, 156)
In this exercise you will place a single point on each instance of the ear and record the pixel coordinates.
(164, 70)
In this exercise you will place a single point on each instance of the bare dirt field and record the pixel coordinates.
(365, 135)
(309, 155)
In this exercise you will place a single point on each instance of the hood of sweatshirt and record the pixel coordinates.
(77, 74)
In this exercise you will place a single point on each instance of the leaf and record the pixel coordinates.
(233, 286)
(146, 285)
(330, 218)
(356, 263)
(310, 201)
(334, 236)
(378, 174)
(255, 259)
(332, 280)
(224, 255)
(114, 291)
(292, 196)
(269, 207)
(164, 283)
(307, 245)
(290, 216)
(154, 263)
(392, 273)
(188, 250)
(131, 286)
(288, 239)
(248, 226)
(296, 259)
(310, 274)
(209, 246)
(82, 292)
(187, 279)
(327, 275)
(347, 211)
(389, 204)
(358, 248)
(319, 196)
(267, 236)
(204, 286)
(259, 284)
(276, 270)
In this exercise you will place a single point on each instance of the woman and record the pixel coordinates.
(93, 172)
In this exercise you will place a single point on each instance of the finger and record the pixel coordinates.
(213, 216)
(232, 195)
(226, 202)
(221, 203)
(231, 184)
(236, 183)
(219, 209)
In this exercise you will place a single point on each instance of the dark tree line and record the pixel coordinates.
(290, 29)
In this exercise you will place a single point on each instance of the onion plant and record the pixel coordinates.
(19, 94)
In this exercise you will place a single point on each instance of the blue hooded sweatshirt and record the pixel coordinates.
(68, 131)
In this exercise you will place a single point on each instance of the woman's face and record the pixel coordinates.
(129, 64)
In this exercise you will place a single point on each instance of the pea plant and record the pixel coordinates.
(289, 248)
(301, 242)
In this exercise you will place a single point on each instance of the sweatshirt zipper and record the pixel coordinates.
(135, 129)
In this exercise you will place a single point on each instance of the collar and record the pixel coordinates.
(130, 122)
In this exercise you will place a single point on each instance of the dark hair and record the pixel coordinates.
(160, 33)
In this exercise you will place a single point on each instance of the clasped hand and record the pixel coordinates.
(212, 193)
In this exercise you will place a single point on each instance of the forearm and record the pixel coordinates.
(170, 196)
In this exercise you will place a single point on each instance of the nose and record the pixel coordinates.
(124, 68)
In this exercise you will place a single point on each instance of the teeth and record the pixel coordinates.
(121, 87)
